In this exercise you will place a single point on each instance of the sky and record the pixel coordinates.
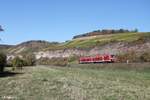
(60, 20)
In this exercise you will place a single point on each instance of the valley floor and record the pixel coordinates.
(75, 83)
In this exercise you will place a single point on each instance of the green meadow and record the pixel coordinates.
(77, 82)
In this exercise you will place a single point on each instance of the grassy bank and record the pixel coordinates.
(76, 83)
(99, 40)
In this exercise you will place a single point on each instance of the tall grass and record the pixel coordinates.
(79, 82)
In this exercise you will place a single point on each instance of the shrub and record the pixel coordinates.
(131, 56)
(3, 61)
(29, 60)
(53, 61)
(17, 63)
(145, 57)
(134, 57)
(73, 58)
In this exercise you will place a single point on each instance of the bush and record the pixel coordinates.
(3, 61)
(17, 63)
(29, 60)
(53, 61)
(134, 57)
(145, 57)
(131, 56)
(73, 58)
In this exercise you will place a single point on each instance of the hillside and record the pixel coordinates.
(5, 47)
(100, 40)
(84, 46)
(100, 44)
(30, 46)
(105, 39)
(104, 32)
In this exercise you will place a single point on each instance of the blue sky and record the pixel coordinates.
(60, 20)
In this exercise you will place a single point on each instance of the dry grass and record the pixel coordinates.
(76, 83)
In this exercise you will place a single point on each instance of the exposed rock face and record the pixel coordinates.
(71, 52)
(114, 48)
(60, 53)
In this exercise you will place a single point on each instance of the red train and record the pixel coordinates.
(98, 59)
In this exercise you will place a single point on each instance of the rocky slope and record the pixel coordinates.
(30, 46)
(101, 44)
(86, 46)
(113, 48)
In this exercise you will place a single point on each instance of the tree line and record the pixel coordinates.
(105, 31)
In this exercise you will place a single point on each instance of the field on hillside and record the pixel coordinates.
(99, 40)
(105, 39)
(78, 82)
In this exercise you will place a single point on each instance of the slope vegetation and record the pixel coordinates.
(100, 40)
(30, 46)
(104, 43)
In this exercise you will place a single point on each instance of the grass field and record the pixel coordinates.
(77, 83)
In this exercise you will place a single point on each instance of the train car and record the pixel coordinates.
(97, 59)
